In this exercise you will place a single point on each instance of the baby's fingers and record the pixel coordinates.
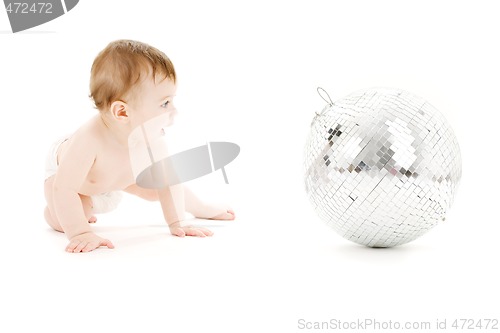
(205, 231)
(178, 232)
(107, 242)
(94, 245)
(90, 246)
(72, 246)
(195, 232)
(80, 247)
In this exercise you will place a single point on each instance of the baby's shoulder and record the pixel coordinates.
(86, 136)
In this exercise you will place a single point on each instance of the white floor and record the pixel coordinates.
(275, 265)
(248, 74)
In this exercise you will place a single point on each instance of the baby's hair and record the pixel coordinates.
(121, 65)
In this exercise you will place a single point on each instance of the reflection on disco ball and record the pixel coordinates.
(381, 166)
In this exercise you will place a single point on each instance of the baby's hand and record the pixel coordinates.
(87, 242)
(177, 230)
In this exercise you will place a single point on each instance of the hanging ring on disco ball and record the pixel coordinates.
(382, 166)
(155, 168)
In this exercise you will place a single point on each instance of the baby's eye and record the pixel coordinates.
(165, 105)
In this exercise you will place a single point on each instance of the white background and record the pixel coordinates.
(248, 73)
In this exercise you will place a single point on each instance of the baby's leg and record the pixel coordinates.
(205, 211)
(51, 218)
(191, 203)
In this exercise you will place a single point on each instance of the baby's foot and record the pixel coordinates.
(228, 215)
(213, 212)
(92, 219)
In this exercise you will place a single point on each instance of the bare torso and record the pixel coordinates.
(111, 169)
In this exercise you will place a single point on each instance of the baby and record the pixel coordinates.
(131, 83)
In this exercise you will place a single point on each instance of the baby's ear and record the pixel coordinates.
(118, 110)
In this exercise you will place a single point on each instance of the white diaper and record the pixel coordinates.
(106, 202)
(101, 203)
(51, 159)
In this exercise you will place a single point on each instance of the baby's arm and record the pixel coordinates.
(173, 206)
(72, 172)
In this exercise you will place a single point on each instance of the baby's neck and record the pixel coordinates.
(117, 132)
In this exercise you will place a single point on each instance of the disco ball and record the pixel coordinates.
(382, 166)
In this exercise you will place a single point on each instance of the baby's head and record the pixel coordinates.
(121, 71)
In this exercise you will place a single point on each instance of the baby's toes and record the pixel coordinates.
(228, 215)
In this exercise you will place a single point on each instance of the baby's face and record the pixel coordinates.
(149, 113)
(154, 103)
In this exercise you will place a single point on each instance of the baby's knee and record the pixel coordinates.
(51, 221)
